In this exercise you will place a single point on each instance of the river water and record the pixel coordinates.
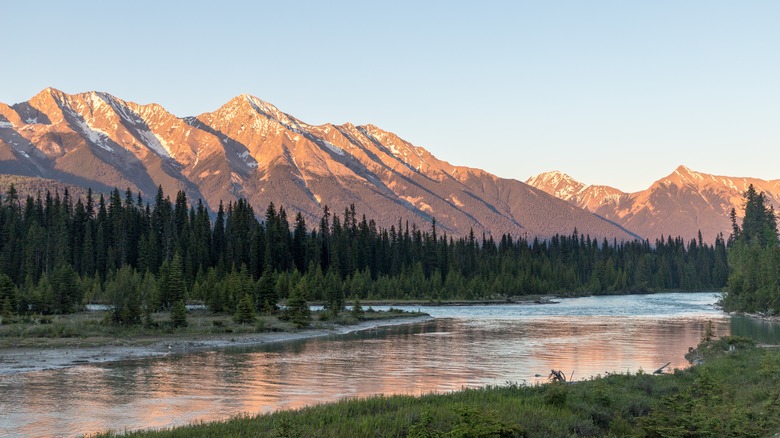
(462, 347)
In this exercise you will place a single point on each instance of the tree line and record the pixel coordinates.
(57, 253)
(754, 258)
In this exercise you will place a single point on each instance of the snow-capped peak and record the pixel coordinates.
(557, 184)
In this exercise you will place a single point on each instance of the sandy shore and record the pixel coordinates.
(23, 360)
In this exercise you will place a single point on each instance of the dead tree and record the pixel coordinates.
(557, 376)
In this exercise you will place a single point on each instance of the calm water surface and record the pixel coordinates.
(462, 347)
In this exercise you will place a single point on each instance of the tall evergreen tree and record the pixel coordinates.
(179, 314)
(754, 259)
(245, 310)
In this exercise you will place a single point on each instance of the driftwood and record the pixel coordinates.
(557, 376)
(661, 370)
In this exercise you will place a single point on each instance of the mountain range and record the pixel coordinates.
(683, 203)
(250, 149)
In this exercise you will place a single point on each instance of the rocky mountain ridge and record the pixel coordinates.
(249, 148)
(679, 204)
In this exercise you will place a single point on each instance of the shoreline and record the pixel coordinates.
(757, 316)
(19, 360)
(535, 299)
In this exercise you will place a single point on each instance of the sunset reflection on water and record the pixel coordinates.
(468, 347)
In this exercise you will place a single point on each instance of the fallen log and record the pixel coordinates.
(661, 370)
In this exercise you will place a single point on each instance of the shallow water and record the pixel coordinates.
(462, 347)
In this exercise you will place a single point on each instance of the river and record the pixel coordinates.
(464, 346)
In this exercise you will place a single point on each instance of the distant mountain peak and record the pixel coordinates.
(557, 183)
(259, 104)
(683, 168)
(49, 91)
(680, 204)
(555, 176)
(683, 175)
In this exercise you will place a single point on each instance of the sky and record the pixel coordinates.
(610, 92)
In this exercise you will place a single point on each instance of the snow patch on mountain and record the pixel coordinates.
(123, 112)
(335, 149)
(155, 143)
(248, 159)
(418, 202)
(558, 184)
(94, 135)
(273, 113)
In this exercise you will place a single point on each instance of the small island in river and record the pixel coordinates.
(39, 343)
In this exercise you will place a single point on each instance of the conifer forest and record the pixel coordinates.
(58, 253)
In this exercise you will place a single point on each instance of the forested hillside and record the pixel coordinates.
(57, 254)
(754, 258)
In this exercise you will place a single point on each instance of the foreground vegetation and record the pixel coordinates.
(733, 393)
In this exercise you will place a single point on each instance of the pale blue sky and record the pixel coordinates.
(610, 92)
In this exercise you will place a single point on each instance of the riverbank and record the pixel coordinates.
(733, 393)
(55, 353)
(515, 300)
(773, 318)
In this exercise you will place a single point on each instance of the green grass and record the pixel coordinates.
(733, 393)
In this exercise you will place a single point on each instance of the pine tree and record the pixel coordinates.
(265, 293)
(179, 314)
(123, 293)
(176, 284)
(357, 310)
(7, 295)
(245, 310)
(754, 259)
(171, 282)
(334, 294)
(297, 309)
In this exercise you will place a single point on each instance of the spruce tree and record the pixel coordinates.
(171, 282)
(7, 295)
(754, 259)
(179, 314)
(357, 310)
(265, 291)
(245, 310)
(176, 283)
(297, 309)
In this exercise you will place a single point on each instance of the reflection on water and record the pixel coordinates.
(463, 347)
(765, 332)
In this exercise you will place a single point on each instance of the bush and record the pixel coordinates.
(555, 394)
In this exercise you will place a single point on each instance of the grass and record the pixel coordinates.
(732, 393)
(90, 329)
